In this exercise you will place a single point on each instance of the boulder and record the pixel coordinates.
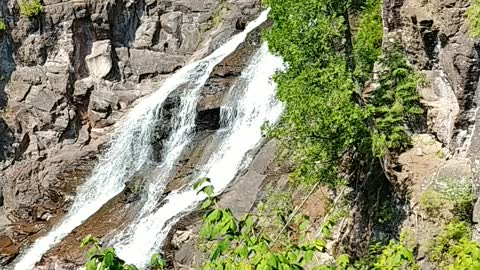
(171, 22)
(99, 62)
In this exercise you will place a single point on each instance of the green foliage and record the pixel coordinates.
(473, 15)
(217, 17)
(274, 212)
(451, 194)
(99, 258)
(325, 119)
(30, 8)
(3, 27)
(157, 262)
(241, 244)
(466, 255)
(453, 249)
(368, 40)
(433, 202)
(396, 255)
(102, 259)
(394, 104)
(320, 123)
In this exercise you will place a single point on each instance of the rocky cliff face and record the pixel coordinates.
(435, 35)
(69, 75)
(438, 43)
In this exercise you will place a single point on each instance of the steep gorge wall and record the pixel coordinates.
(436, 37)
(70, 75)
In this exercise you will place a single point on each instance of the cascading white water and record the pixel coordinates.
(131, 147)
(253, 106)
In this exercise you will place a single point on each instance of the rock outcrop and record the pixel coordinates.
(436, 37)
(438, 43)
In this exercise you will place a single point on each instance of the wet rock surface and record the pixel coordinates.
(67, 78)
(241, 197)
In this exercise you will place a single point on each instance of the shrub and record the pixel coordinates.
(453, 249)
(394, 103)
(30, 8)
(367, 42)
(433, 202)
(2, 25)
(99, 258)
(449, 194)
(473, 15)
(395, 256)
(241, 243)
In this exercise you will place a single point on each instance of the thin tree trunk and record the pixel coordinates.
(349, 43)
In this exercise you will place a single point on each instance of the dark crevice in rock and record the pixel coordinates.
(6, 141)
(22, 147)
(115, 73)
(208, 119)
(393, 18)
(72, 130)
(156, 35)
(430, 41)
(7, 65)
(164, 126)
(83, 38)
(124, 21)
(468, 101)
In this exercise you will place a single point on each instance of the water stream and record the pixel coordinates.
(247, 108)
(131, 147)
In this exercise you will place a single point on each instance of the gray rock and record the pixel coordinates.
(145, 62)
(171, 22)
(443, 108)
(167, 43)
(195, 5)
(476, 221)
(145, 34)
(242, 196)
(99, 62)
(190, 37)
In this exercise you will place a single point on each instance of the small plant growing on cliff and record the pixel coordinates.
(30, 8)
(473, 15)
(396, 255)
(451, 195)
(395, 103)
(2, 26)
(453, 249)
(99, 258)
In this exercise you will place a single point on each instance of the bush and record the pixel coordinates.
(30, 8)
(453, 249)
(396, 255)
(449, 194)
(394, 103)
(473, 15)
(433, 202)
(99, 258)
(242, 244)
(367, 42)
(2, 25)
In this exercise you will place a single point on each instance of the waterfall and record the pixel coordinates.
(131, 147)
(246, 109)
